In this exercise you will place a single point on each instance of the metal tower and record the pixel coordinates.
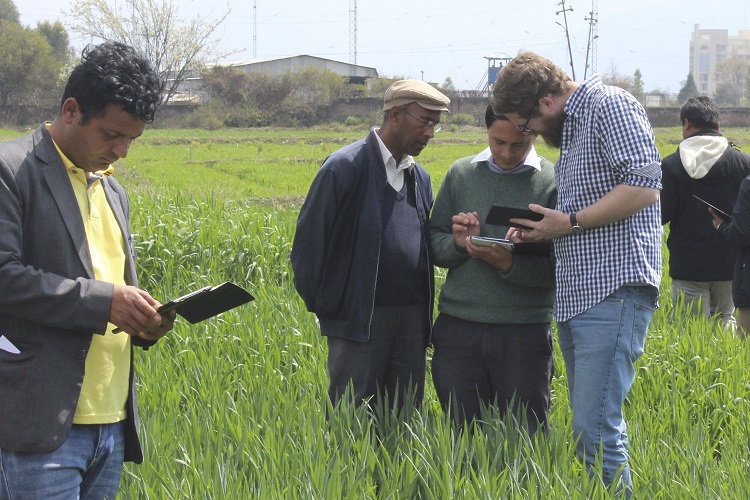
(353, 31)
(255, 29)
(593, 37)
(495, 63)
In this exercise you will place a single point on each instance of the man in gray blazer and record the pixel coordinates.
(68, 414)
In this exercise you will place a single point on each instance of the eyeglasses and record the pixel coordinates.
(524, 129)
(425, 123)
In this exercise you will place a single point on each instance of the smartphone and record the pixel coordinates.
(484, 241)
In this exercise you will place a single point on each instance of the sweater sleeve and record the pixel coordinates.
(310, 246)
(445, 252)
(531, 271)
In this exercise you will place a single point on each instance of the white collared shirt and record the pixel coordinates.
(394, 173)
(531, 161)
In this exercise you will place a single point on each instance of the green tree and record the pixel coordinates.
(9, 12)
(688, 90)
(29, 73)
(177, 49)
(376, 87)
(312, 92)
(58, 39)
(239, 99)
(613, 77)
(449, 89)
(226, 84)
(638, 85)
(732, 81)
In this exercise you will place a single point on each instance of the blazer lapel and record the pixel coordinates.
(62, 192)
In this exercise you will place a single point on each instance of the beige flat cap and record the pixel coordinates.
(403, 92)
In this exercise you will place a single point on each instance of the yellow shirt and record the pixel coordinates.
(105, 385)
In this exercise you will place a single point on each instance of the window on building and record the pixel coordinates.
(704, 63)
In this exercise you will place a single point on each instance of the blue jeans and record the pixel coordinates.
(88, 465)
(600, 347)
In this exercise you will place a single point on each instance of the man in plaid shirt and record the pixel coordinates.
(607, 233)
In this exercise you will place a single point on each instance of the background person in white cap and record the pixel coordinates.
(360, 255)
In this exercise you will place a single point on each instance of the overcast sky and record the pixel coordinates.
(435, 39)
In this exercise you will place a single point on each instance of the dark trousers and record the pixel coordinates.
(391, 363)
(476, 364)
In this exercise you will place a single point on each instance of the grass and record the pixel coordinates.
(235, 407)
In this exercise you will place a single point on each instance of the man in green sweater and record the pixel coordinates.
(493, 337)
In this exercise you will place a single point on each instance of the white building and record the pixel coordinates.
(191, 88)
(709, 47)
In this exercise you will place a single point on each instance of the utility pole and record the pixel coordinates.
(255, 29)
(353, 31)
(567, 34)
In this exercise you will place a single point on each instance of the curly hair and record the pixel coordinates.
(523, 81)
(701, 112)
(114, 73)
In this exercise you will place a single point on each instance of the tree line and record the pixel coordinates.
(36, 60)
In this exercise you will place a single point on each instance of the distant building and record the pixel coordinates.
(191, 88)
(654, 99)
(709, 47)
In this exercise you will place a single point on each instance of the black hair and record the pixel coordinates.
(490, 117)
(701, 112)
(114, 73)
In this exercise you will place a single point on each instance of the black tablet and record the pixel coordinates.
(721, 212)
(500, 215)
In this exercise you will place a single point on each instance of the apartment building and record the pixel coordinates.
(711, 46)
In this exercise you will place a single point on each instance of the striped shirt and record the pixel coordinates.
(606, 141)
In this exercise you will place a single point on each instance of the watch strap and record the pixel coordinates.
(575, 227)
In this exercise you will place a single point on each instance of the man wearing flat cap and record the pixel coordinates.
(361, 255)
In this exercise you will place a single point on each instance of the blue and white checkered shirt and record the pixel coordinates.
(606, 140)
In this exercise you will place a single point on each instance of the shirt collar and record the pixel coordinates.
(407, 162)
(532, 160)
(578, 97)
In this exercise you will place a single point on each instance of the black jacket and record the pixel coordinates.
(696, 252)
(336, 247)
(737, 232)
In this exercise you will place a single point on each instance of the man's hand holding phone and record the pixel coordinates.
(552, 224)
(492, 252)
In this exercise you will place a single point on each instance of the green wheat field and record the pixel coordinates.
(235, 407)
